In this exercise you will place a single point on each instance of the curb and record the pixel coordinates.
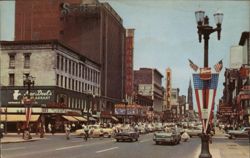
(20, 141)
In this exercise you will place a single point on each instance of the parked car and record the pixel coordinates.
(96, 131)
(127, 134)
(171, 136)
(241, 133)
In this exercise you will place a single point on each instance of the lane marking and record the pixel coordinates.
(17, 148)
(82, 145)
(69, 147)
(100, 151)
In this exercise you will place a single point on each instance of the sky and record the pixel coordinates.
(166, 34)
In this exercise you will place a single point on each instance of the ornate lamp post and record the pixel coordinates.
(205, 30)
(28, 81)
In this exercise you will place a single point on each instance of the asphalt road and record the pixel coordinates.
(58, 147)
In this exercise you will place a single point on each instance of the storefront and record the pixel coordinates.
(130, 113)
(47, 104)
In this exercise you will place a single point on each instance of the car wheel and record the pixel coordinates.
(117, 140)
(230, 137)
(157, 143)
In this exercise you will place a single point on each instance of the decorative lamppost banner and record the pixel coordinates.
(205, 91)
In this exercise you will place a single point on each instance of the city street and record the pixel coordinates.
(58, 146)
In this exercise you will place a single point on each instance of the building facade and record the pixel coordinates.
(66, 83)
(234, 107)
(149, 84)
(92, 28)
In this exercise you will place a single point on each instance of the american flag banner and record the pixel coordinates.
(193, 66)
(205, 91)
(28, 112)
(218, 67)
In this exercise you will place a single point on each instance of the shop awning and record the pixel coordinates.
(80, 118)
(70, 118)
(114, 118)
(17, 118)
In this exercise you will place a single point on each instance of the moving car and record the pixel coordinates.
(242, 133)
(171, 136)
(195, 131)
(96, 131)
(127, 134)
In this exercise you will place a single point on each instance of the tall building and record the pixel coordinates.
(190, 97)
(91, 28)
(129, 64)
(149, 84)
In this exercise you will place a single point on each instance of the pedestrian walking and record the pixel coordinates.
(67, 131)
(49, 128)
(86, 131)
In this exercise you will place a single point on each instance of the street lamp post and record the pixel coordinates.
(205, 30)
(28, 81)
(126, 113)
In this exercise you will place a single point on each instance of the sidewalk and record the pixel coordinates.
(239, 148)
(15, 138)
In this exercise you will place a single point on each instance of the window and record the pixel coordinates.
(76, 85)
(11, 79)
(62, 63)
(73, 66)
(73, 84)
(80, 86)
(66, 65)
(65, 82)
(57, 61)
(61, 81)
(69, 83)
(83, 71)
(12, 60)
(76, 69)
(27, 60)
(85, 86)
(80, 70)
(57, 80)
(69, 67)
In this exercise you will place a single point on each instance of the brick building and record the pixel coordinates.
(149, 83)
(92, 28)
